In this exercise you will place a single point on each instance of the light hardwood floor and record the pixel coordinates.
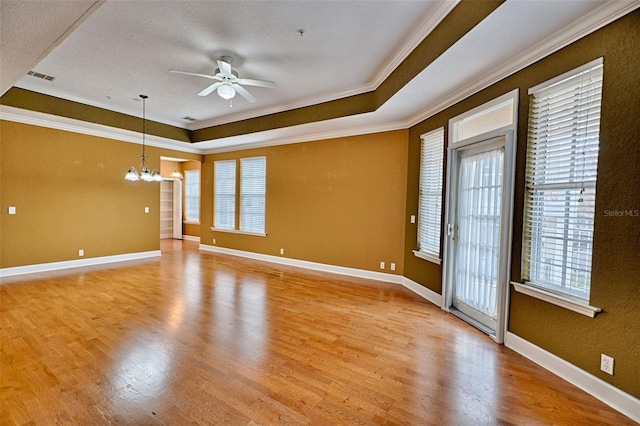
(201, 338)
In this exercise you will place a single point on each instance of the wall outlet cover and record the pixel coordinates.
(606, 364)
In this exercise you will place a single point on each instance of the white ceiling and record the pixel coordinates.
(106, 53)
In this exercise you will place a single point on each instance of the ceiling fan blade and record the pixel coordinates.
(258, 83)
(193, 74)
(210, 89)
(244, 93)
(225, 67)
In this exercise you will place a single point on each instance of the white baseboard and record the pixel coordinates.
(342, 270)
(423, 291)
(191, 238)
(90, 261)
(610, 395)
(420, 290)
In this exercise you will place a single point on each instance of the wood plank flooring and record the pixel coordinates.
(202, 338)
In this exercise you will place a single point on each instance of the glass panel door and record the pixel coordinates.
(477, 240)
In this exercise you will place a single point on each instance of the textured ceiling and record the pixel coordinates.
(106, 53)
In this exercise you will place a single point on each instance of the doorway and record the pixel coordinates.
(171, 209)
(478, 214)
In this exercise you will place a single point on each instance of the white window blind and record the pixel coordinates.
(253, 185)
(430, 197)
(192, 195)
(225, 194)
(562, 160)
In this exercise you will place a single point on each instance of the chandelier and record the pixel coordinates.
(145, 174)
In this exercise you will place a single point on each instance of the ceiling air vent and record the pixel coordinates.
(189, 118)
(42, 76)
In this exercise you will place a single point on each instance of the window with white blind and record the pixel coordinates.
(430, 195)
(192, 195)
(562, 162)
(225, 194)
(253, 185)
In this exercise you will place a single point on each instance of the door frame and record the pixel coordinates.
(177, 209)
(506, 226)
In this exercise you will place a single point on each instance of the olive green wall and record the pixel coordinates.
(615, 285)
(70, 194)
(337, 202)
(25, 99)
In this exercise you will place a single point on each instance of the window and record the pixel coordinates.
(192, 195)
(251, 200)
(430, 196)
(562, 160)
(225, 194)
(253, 174)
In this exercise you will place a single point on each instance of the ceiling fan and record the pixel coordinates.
(227, 81)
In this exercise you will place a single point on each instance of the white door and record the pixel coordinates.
(177, 209)
(478, 227)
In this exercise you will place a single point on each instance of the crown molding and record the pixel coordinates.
(590, 23)
(442, 9)
(433, 20)
(40, 119)
(264, 142)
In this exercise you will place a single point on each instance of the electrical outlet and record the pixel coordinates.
(214, 241)
(392, 266)
(146, 209)
(413, 218)
(80, 252)
(381, 265)
(606, 364)
(281, 251)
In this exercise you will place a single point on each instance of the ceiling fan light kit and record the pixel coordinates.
(228, 83)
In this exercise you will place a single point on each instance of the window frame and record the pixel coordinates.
(573, 218)
(188, 219)
(430, 196)
(218, 192)
(238, 183)
(244, 183)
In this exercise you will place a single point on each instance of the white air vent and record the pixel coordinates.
(42, 76)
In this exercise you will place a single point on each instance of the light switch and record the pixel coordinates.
(413, 218)
(12, 210)
(146, 209)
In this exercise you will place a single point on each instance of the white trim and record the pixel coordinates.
(605, 392)
(40, 119)
(602, 16)
(509, 97)
(190, 238)
(342, 270)
(555, 299)
(261, 139)
(420, 290)
(574, 72)
(67, 264)
(423, 291)
(509, 133)
(237, 231)
(433, 19)
(426, 256)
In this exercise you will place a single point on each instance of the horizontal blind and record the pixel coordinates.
(253, 186)
(430, 195)
(225, 194)
(192, 195)
(562, 162)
